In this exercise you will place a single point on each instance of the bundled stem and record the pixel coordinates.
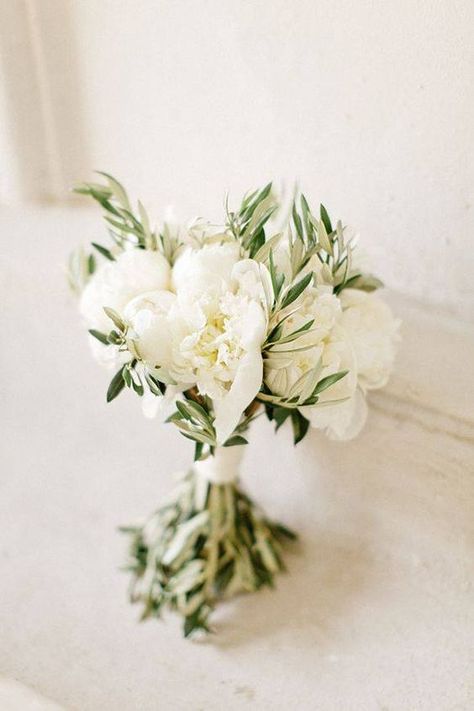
(208, 542)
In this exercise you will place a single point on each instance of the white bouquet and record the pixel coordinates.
(211, 327)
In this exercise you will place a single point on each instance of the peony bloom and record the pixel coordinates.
(318, 305)
(209, 334)
(115, 283)
(373, 332)
(355, 332)
(368, 328)
(151, 316)
(331, 349)
(341, 410)
(202, 269)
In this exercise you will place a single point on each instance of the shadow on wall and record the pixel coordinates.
(41, 101)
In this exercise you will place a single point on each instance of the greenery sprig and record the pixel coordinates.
(209, 542)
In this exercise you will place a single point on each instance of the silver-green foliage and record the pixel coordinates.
(208, 542)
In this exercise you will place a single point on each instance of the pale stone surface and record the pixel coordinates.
(377, 610)
(18, 697)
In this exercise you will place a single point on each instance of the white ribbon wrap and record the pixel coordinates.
(223, 467)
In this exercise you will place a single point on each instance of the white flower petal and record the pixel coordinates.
(254, 280)
(248, 377)
(200, 270)
(114, 284)
(373, 332)
(148, 316)
(228, 409)
(341, 421)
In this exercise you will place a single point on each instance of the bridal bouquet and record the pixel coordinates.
(212, 326)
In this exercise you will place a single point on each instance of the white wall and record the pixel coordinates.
(368, 105)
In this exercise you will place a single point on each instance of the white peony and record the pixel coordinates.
(341, 410)
(114, 284)
(209, 334)
(320, 306)
(369, 329)
(151, 317)
(356, 332)
(373, 332)
(199, 270)
(330, 347)
(253, 279)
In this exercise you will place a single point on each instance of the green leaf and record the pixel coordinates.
(193, 622)
(340, 236)
(293, 336)
(329, 380)
(183, 410)
(264, 251)
(280, 415)
(145, 222)
(103, 251)
(260, 216)
(194, 435)
(235, 440)
(363, 282)
(279, 528)
(91, 264)
(246, 201)
(102, 337)
(257, 243)
(306, 218)
(296, 290)
(127, 376)
(100, 193)
(275, 333)
(198, 447)
(297, 223)
(175, 417)
(117, 190)
(300, 426)
(197, 413)
(277, 279)
(116, 386)
(323, 238)
(348, 260)
(250, 204)
(325, 218)
(113, 315)
(115, 338)
(156, 387)
(138, 387)
(124, 227)
(349, 283)
(224, 576)
(306, 383)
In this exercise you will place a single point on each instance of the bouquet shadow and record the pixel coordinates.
(327, 578)
(332, 564)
